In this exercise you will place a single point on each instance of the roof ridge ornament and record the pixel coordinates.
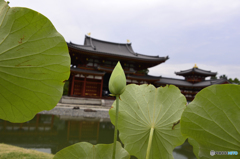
(195, 66)
(89, 34)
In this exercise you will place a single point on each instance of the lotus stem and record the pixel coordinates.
(116, 126)
(149, 143)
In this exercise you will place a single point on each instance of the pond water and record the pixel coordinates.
(49, 133)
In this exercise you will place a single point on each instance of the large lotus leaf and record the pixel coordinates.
(84, 150)
(213, 120)
(144, 107)
(34, 63)
(195, 146)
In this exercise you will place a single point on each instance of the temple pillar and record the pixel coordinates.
(84, 86)
(72, 85)
(101, 88)
(69, 86)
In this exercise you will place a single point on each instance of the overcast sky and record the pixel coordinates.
(205, 32)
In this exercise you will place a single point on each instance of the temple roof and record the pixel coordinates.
(196, 71)
(87, 72)
(143, 78)
(183, 83)
(124, 50)
(173, 81)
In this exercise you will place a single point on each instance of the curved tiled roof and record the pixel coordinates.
(146, 77)
(173, 81)
(96, 46)
(196, 71)
(179, 82)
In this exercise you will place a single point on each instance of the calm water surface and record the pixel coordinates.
(49, 133)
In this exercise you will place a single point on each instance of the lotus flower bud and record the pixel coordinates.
(117, 82)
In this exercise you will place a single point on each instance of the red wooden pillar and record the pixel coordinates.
(101, 88)
(69, 86)
(72, 88)
(84, 86)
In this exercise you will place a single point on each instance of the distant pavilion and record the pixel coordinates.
(93, 62)
(195, 80)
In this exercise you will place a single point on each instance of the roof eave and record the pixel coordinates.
(157, 60)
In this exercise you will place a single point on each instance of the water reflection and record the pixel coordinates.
(49, 133)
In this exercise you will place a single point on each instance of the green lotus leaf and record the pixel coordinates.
(144, 108)
(117, 82)
(85, 150)
(195, 146)
(213, 120)
(34, 63)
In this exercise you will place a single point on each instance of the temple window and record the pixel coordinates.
(90, 64)
(90, 76)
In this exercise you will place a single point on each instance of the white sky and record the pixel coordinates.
(205, 32)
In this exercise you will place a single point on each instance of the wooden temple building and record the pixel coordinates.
(195, 80)
(93, 62)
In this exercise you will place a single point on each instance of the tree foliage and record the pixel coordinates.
(235, 81)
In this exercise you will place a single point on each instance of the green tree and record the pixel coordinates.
(236, 81)
(223, 76)
(213, 77)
